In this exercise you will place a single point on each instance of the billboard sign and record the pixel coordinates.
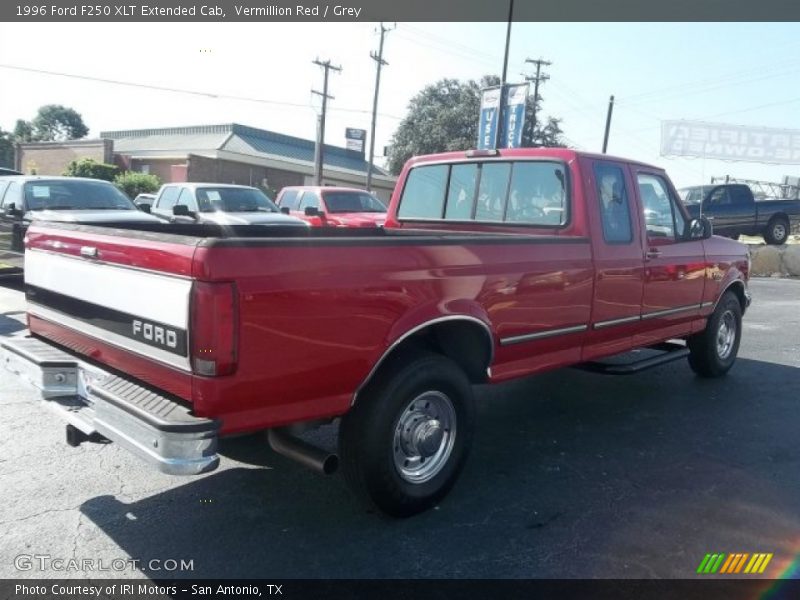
(514, 117)
(489, 118)
(355, 139)
(730, 142)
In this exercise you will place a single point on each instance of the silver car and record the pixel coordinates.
(220, 204)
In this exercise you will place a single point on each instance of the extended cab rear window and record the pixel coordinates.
(513, 192)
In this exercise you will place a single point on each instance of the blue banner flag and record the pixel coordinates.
(514, 115)
(487, 129)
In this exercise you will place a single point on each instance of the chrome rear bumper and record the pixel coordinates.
(152, 426)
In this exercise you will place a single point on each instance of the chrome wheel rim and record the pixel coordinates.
(779, 231)
(424, 437)
(726, 335)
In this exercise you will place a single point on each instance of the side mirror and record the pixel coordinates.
(11, 210)
(144, 207)
(181, 210)
(285, 210)
(700, 229)
(313, 211)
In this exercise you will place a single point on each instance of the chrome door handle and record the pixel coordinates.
(652, 253)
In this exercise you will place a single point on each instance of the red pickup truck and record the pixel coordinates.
(492, 265)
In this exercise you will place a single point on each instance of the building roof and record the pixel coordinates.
(237, 139)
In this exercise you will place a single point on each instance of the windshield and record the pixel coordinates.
(342, 202)
(228, 199)
(693, 195)
(77, 194)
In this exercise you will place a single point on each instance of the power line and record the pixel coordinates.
(213, 95)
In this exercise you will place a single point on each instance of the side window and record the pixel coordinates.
(538, 194)
(169, 197)
(187, 199)
(614, 204)
(663, 217)
(3, 186)
(309, 199)
(461, 192)
(492, 192)
(289, 199)
(423, 194)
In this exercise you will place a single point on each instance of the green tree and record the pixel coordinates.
(23, 131)
(54, 122)
(444, 117)
(88, 167)
(133, 183)
(6, 149)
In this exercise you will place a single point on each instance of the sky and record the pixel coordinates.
(740, 73)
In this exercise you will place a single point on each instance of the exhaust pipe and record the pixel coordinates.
(301, 451)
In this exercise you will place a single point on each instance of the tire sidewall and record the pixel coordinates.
(772, 238)
(728, 303)
(398, 496)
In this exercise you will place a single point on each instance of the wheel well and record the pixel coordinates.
(463, 341)
(737, 287)
(776, 216)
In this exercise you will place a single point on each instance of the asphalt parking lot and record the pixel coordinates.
(572, 475)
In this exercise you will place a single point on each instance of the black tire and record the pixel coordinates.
(369, 432)
(777, 231)
(712, 352)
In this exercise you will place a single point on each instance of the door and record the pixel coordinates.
(730, 208)
(618, 260)
(674, 267)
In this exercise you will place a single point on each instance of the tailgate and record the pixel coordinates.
(117, 296)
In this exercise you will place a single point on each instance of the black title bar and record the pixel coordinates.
(399, 10)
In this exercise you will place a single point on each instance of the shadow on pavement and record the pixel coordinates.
(572, 475)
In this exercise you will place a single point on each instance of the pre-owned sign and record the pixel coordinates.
(730, 142)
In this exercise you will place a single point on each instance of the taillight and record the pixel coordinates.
(214, 325)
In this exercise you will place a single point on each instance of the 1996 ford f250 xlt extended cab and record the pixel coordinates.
(492, 265)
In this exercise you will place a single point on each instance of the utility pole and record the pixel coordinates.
(378, 58)
(508, 40)
(537, 79)
(319, 153)
(608, 122)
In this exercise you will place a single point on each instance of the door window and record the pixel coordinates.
(3, 186)
(663, 217)
(187, 199)
(290, 199)
(719, 197)
(740, 195)
(13, 195)
(309, 199)
(614, 204)
(169, 197)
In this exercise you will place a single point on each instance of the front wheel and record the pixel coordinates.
(403, 445)
(713, 351)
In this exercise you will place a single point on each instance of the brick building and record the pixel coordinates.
(228, 153)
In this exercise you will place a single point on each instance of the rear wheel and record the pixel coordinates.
(713, 351)
(403, 445)
(777, 231)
